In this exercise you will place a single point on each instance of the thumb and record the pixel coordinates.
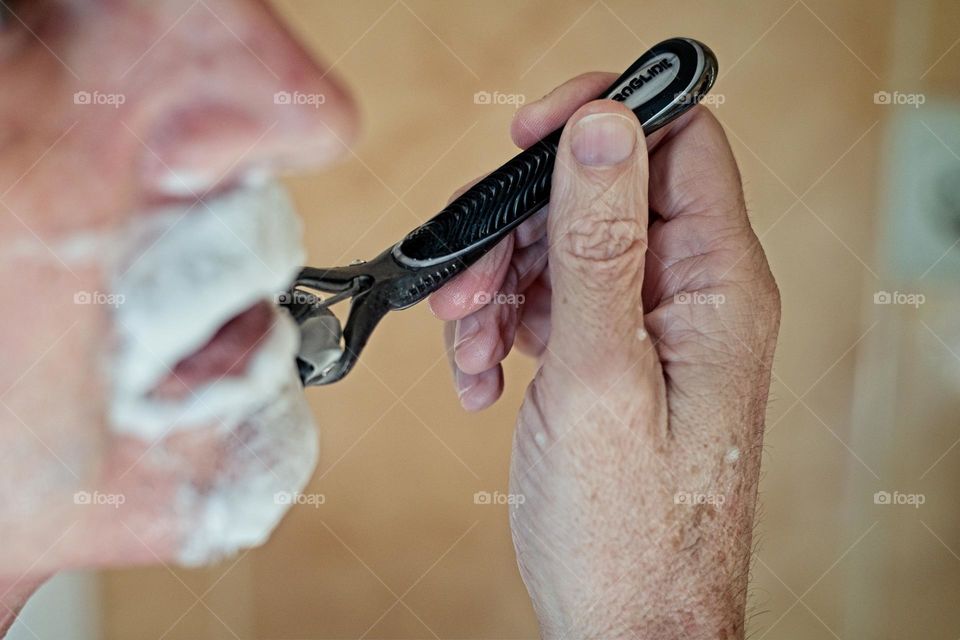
(598, 239)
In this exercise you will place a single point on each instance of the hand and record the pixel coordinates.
(638, 445)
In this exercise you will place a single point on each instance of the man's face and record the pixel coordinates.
(149, 408)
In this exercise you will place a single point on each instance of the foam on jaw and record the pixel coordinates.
(275, 451)
(184, 271)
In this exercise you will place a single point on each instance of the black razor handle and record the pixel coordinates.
(665, 82)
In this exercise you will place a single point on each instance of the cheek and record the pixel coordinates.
(64, 189)
(52, 412)
(52, 336)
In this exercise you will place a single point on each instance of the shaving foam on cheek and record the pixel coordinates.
(274, 451)
(225, 401)
(80, 248)
(185, 184)
(183, 272)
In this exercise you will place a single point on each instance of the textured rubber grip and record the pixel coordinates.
(488, 210)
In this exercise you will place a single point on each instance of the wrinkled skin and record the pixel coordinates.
(637, 448)
(199, 103)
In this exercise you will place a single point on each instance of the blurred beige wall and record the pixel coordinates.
(399, 549)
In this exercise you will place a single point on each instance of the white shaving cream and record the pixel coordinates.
(275, 453)
(183, 273)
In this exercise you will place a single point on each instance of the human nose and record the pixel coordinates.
(249, 99)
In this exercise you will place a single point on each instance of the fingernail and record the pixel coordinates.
(603, 139)
(465, 384)
(471, 397)
(471, 401)
(467, 328)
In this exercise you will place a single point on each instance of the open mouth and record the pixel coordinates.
(198, 341)
(227, 354)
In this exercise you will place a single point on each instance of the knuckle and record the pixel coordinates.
(602, 225)
(771, 296)
(762, 286)
(768, 304)
(603, 240)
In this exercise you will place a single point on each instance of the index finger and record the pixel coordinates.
(535, 120)
(693, 171)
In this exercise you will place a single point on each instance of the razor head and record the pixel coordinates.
(321, 336)
(320, 346)
(328, 349)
